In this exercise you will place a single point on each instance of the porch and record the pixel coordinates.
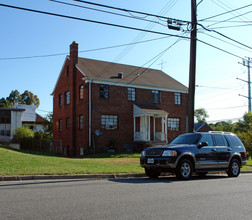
(150, 123)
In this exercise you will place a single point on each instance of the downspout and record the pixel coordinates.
(90, 115)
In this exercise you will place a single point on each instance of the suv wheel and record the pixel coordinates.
(234, 168)
(184, 169)
(152, 173)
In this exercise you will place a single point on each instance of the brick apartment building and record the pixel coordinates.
(103, 105)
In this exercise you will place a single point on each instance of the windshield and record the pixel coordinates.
(187, 139)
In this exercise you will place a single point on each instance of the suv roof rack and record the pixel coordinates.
(220, 132)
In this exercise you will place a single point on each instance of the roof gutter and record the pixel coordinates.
(128, 84)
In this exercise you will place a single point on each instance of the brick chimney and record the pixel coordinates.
(74, 52)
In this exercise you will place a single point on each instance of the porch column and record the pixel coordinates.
(154, 128)
(166, 128)
(148, 128)
(134, 127)
(145, 126)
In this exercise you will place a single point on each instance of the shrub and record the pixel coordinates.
(23, 132)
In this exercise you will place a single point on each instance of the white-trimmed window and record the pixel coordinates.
(174, 124)
(81, 91)
(131, 94)
(155, 96)
(177, 98)
(109, 122)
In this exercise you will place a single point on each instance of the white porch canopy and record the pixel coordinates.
(145, 112)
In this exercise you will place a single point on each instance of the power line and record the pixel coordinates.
(131, 11)
(119, 26)
(83, 51)
(226, 42)
(233, 26)
(242, 106)
(230, 18)
(223, 35)
(226, 12)
(108, 12)
(92, 21)
(225, 51)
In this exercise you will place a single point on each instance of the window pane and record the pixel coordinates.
(174, 124)
(155, 96)
(104, 91)
(177, 99)
(60, 100)
(109, 122)
(207, 138)
(60, 125)
(131, 94)
(67, 97)
(81, 92)
(81, 122)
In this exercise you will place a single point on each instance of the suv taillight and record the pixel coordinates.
(245, 153)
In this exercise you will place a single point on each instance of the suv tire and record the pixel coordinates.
(184, 169)
(152, 173)
(234, 168)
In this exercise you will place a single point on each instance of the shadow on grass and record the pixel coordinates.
(31, 152)
(90, 156)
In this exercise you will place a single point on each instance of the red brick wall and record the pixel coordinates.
(65, 83)
(117, 104)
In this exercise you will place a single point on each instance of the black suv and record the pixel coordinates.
(196, 152)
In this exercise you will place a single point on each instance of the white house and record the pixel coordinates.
(16, 117)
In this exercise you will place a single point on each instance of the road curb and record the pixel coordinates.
(76, 176)
(79, 176)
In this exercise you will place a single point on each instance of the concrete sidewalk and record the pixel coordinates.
(80, 176)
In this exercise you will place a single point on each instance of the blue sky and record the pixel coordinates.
(28, 34)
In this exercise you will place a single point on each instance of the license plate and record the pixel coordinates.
(150, 160)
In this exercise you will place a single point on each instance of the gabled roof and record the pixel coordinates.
(199, 125)
(132, 75)
(147, 108)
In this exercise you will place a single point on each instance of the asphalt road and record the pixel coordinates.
(212, 197)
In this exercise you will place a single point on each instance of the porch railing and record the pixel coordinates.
(140, 136)
(160, 137)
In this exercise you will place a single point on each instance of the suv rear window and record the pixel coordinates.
(220, 140)
(234, 140)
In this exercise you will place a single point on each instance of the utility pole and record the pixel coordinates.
(247, 62)
(192, 68)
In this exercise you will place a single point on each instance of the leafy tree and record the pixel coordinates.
(244, 124)
(14, 97)
(223, 126)
(27, 98)
(201, 115)
(5, 103)
(243, 129)
(48, 125)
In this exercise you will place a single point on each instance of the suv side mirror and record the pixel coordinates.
(202, 144)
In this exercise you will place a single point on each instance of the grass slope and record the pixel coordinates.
(17, 162)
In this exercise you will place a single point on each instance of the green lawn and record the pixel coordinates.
(18, 162)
